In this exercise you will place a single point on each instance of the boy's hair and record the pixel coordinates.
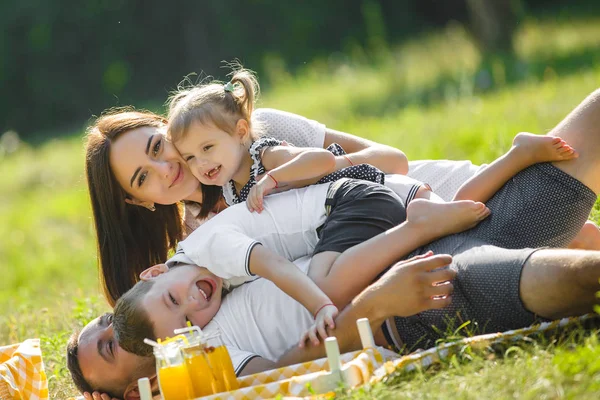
(131, 322)
(214, 103)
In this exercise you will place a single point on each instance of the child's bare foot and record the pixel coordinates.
(588, 238)
(534, 149)
(446, 218)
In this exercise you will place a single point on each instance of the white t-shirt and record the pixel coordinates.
(287, 226)
(258, 319)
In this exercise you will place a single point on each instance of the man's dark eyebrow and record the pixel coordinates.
(137, 171)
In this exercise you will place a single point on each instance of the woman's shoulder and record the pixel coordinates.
(293, 128)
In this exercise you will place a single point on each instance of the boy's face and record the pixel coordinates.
(214, 156)
(185, 293)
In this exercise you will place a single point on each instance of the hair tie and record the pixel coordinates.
(228, 87)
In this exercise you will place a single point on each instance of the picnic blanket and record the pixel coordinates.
(22, 375)
(368, 366)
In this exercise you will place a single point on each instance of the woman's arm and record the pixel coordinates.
(362, 151)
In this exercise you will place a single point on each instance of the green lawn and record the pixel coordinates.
(427, 97)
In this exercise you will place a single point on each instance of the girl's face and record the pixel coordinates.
(214, 156)
(150, 169)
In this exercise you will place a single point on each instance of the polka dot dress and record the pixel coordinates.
(362, 171)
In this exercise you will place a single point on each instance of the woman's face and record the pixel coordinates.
(150, 169)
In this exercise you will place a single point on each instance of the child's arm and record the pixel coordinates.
(295, 284)
(362, 151)
(288, 164)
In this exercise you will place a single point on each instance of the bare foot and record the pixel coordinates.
(539, 148)
(588, 238)
(446, 218)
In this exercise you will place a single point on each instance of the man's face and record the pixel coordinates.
(185, 293)
(104, 364)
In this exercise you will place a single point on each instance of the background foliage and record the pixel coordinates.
(63, 61)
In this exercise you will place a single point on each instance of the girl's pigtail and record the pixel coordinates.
(246, 97)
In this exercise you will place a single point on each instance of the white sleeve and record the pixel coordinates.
(222, 249)
(240, 358)
(404, 186)
(444, 176)
(294, 129)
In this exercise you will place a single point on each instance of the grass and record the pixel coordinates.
(431, 97)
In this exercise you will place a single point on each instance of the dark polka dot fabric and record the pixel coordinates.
(362, 171)
(541, 206)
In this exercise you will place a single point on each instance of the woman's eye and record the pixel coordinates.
(207, 148)
(189, 158)
(142, 178)
(156, 147)
(173, 300)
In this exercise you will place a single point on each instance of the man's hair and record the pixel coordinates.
(73, 364)
(75, 369)
(131, 322)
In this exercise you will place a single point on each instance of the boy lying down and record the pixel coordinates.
(354, 228)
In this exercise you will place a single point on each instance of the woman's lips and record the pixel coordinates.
(179, 175)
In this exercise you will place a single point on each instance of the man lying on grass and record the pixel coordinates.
(500, 284)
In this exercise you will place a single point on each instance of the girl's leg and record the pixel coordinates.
(343, 276)
(527, 149)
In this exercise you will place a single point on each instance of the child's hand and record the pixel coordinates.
(262, 188)
(324, 318)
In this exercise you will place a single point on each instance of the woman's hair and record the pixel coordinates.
(130, 238)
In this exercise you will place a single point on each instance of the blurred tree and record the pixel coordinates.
(493, 23)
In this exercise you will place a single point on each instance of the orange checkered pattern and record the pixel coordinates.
(22, 375)
(307, 379)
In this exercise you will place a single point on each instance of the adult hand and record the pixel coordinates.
(415, 285)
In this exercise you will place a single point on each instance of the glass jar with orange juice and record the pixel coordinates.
(201, 374)
(173, 377)
(220, 362)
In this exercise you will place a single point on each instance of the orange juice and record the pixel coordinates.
(201, 375)
(220, 362)
(175, 383)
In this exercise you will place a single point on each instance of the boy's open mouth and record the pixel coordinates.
(213, 172)
(206, 288)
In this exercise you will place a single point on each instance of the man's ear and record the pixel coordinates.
(153, 272)
(242, 129)
(132, 392)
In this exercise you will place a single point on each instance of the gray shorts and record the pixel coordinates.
(540, 207)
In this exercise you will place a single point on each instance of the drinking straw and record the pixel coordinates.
(160, 348)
